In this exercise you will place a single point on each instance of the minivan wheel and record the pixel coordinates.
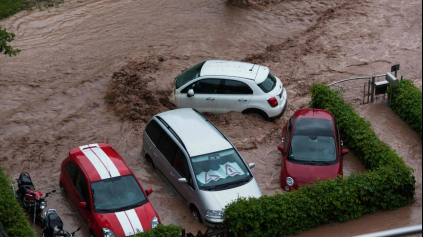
(150, 161)
(196, 214)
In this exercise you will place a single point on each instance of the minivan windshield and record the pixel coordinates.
(220, 170)
(269, 84)
(189, 75)
(117, 194)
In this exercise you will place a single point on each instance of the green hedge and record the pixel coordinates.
(388, 184)
(407, 103)
(162, 231)
(12, 216)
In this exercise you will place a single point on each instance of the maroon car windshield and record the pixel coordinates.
(313, 142)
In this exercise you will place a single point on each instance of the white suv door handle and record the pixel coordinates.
(243, 100)
(210, 98)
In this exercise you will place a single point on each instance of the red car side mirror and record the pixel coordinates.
(149, 191)
(83, 205)
(344, 152)
(281, 148)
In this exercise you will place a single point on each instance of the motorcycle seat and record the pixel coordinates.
(24, 179)
(53, 220)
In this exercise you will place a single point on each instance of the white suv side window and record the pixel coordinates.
(236, 88)
(205, 86)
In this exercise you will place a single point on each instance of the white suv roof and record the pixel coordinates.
(198, 136)
(244, 70)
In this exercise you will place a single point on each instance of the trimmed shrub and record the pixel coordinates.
(388, 184)
(407, 103)
(12, 216)
(162, 231)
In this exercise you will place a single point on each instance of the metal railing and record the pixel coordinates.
(396, 232)
(364, 89)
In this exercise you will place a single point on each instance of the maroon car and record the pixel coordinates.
(311, 149)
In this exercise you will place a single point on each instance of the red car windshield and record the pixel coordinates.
(313, 142)
(117, 194)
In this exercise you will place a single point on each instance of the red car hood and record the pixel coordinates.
(304, 174)
(127, 223)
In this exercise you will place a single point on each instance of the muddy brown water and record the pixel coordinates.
(52, 94)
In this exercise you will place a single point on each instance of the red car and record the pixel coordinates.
(105, 192)
(311, 149)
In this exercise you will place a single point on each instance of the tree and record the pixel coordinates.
(5, 38)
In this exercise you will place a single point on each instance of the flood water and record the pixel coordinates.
(52, 93)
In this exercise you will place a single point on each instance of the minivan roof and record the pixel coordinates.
(198, 136)
(244, 70)
(100, 161)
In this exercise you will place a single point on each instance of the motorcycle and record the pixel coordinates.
(53, 225)
(31, 200)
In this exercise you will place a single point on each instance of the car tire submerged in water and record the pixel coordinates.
(258, 112)
(196, 214)
(62, 188)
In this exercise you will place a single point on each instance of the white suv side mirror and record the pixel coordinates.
(191, 93)
(252, 165)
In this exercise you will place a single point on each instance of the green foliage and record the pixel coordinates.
(407, 103)
(5, 38)
(12, 215)
(162, 231)
(388, 184)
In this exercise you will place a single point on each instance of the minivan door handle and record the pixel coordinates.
(243, 100)
(210, 98)
(155, 154)
(172, 174)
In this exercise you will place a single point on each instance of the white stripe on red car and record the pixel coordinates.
(101, 162)
(130, 222)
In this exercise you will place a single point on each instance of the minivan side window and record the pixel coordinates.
(82, 188)
(236, 88)
(181, 164)
(205, 86)
(154, 131)
(168, 148)
(72, 171)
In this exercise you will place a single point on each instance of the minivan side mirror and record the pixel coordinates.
(344, 152)
(149, 191)
(191, 93)
(83, 205)
(281, 149)
(252, 165)
(183, 180)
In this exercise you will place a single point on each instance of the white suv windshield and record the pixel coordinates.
(220, 170)
(117, 194)
(269, 84)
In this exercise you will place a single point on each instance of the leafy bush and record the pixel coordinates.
(12, 215)
(5, 38)
(388, 184)
(407, 103)
(162, 231)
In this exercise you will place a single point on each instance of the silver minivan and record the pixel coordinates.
(199, 163)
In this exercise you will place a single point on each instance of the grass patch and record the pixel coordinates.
(11, 7)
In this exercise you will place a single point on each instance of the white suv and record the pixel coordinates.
(220, 86)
